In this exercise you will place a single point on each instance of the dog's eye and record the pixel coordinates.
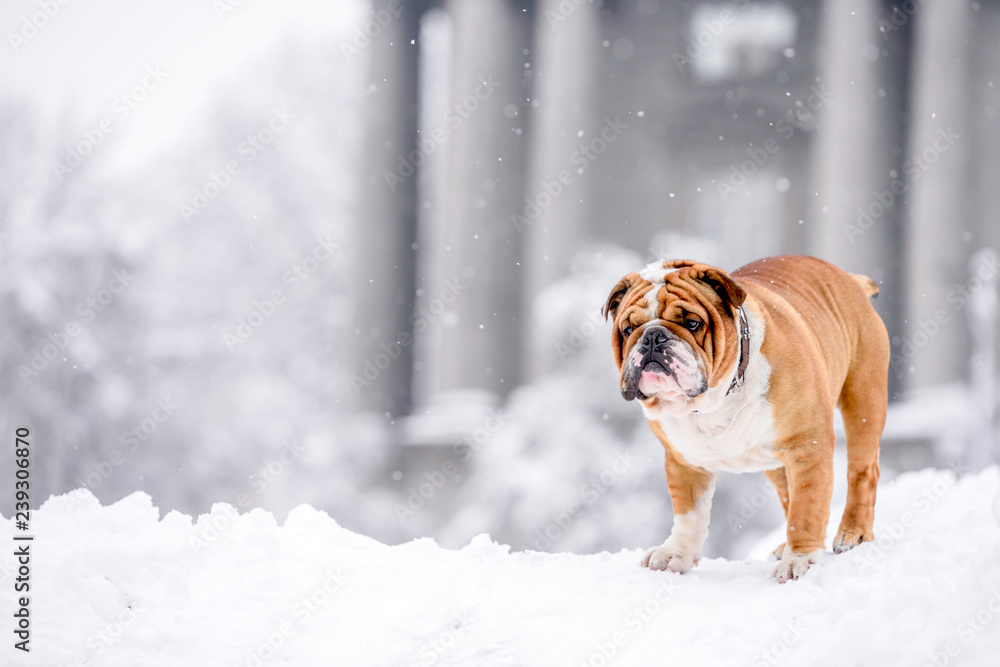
(692, 325)
(627, 331)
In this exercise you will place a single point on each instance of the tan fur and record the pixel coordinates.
(826, 346)
(867, 284)
(837, 353)
(686, 483)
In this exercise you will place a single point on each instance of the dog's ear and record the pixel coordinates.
(611, 309)
(617, 294)
(724, 286)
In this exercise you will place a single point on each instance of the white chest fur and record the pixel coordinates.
(736, 434)
(737, 440)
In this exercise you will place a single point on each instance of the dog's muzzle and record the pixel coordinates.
(661, 353)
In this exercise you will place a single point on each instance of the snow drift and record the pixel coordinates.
(118, 585)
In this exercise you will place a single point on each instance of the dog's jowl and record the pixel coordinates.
(742, 372)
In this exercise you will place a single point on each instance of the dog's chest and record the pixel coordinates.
(737, 438)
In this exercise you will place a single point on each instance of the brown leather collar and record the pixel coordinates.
(741, 369)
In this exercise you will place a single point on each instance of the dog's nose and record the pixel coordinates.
(654, 339)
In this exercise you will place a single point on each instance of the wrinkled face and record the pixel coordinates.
(675, 337)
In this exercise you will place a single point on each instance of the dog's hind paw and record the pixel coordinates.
(848, 538)
(793, 566)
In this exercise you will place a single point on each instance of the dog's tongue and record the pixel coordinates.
(655, 380)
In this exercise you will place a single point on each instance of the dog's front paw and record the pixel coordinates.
(669, 557)
(793, 566)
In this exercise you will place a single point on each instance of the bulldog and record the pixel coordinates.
(741, 372)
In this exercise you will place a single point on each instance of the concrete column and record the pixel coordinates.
(564, 61)
(384, 264)
(854, 215)
(936, 344)
(985, 106)
(481, 257)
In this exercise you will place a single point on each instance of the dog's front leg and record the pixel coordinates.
(809, 469)
(691, 492)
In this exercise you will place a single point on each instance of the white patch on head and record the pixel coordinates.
(686, 365)
(655, 272)
(682, 549)
(652, 308)
(719, 431)
(652, 305)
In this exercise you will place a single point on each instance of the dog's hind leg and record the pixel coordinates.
(863, 404)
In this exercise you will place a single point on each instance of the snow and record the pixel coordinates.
(118, 585)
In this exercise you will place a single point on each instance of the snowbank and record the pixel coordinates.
(116, 585)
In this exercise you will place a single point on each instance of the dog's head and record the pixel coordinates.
(676, 335)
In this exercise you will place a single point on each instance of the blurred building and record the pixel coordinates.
(506, 135)
(484, 171)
